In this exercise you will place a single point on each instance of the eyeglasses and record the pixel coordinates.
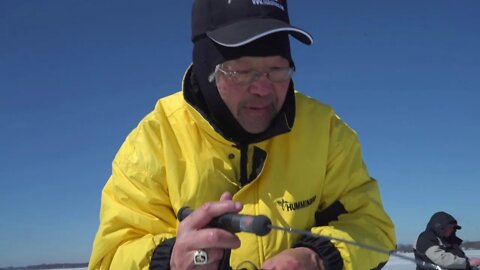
(277, 74)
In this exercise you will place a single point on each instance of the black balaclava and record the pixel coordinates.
(208, 54)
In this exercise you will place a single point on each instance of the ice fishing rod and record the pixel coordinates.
(262, 225)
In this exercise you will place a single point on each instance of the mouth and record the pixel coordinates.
(257, 108)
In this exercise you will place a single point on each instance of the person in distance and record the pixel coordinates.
(439, 244)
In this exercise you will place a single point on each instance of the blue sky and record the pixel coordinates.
(76, 76)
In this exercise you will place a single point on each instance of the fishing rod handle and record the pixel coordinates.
(233, 222)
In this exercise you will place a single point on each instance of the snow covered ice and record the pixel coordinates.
(395, 263)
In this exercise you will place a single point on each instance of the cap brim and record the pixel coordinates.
(244, 32)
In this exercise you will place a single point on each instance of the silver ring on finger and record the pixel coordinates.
(200, 257)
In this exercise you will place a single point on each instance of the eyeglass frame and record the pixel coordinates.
(255, 74)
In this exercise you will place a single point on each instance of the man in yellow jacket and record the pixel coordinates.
(239, 138)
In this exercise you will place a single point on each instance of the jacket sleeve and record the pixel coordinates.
(445, 259)
(136, 215)
(430, 248)
(351, 208)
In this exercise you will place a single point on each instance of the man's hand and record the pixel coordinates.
(295, 259)
(193, 236)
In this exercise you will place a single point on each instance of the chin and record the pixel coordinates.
(254, 130)
(255, 127)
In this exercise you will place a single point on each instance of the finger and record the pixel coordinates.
(200, 217)
(226, 196)
(215, 238)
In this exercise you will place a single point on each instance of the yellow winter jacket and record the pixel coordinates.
(312, 177)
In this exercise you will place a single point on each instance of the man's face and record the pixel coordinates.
(253, 105)
(449, 229)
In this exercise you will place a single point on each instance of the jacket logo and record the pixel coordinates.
(293, 206)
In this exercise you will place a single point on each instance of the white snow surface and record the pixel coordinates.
(396, 263)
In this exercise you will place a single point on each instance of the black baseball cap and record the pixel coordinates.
(456, 226)
(233, 23)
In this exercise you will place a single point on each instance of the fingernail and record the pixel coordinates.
(238, 205)
(206, 205)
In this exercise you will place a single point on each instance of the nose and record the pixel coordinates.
(261, 86)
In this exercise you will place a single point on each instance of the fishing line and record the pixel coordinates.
(262, 225)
